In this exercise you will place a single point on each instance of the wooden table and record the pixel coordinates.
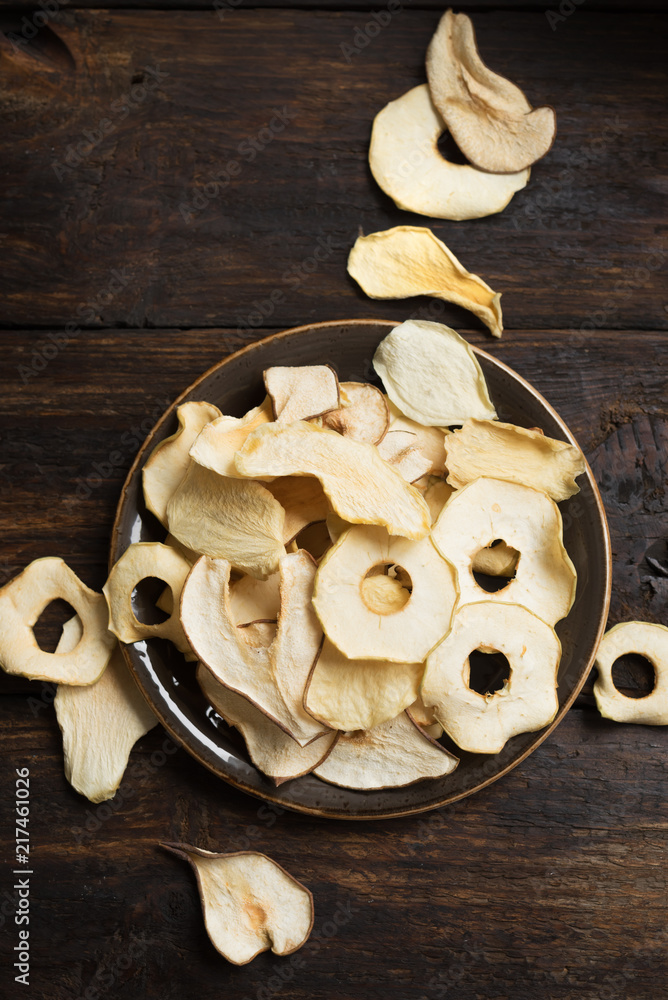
(169, 176)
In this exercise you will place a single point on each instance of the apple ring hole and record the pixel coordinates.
(488, 671)
(386, 589)
(49, 626)
(450, 151)
(633, 675)
(144, 598)
(491, 583)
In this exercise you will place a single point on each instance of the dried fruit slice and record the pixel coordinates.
(424, 719)
(488, 509)
(483, 723)
(392, 755)
(489, 117)
(504, 451)
(359, 694)
(431, 374)
(406, 163)
(272, 678)
(100, 723)
(496, 560)
(360, 485)
(253, 600)
(250, 903)
(228, 518)
(430, 440)
(303, 500)
(168, 462)
(648, 640)
(219, 441)
(140, 561)
(401, 449)
(437, 495)
(409, 260)
(302, 392)
(23, 600)
(274, 752)
(363, 413)
(398, 621)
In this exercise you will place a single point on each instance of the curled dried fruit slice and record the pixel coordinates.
(250, 903)
(424, 718)
(100, 723)
(431, 374)
(527, 520)
(362, 415)
(402, 451)
(372, 615)
(430, 440)
(483, 723)
(360, 485)
(219, 441)
(168, 462)
(392, 755)
(303, 392)
(648, 640)
(489, 117)
(303, 500)
(410, 260)
(23, 600)
(504, 451)
(406, 163)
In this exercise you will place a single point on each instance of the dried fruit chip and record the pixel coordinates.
(361, 487)
(392, 755)
(401, 449)
(219, 441)
(303, 392)
(100, 723)
(437, 495)
(378, 616)
(505, 451)
(430, 440)
(648, 640)
(488, 509)
(250, 903)
(253, 600)
(406, 163)
(410, 260)
(431, 374)
(483, 723)
(363, 413)
(303, 500)
(424, 718)
(23, 600)
(489, 117)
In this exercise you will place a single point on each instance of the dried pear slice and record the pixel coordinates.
(496, 560)
(272, 751)
(431, 374)
(361, 487)
(303, 500)
(100, 723)
(250, 903)
(303, 392)
(220, 440)
(363, 414)
(504, 451)
(530, 521)
(23, 600)
(272, 678)
(648, 640)
(228, 518)
(489, 117)
(410, 260)
(483, 723)
(169, 461)
(402, 451)
(430, 440)
(362, 626)
(392, 755)
(407, 165)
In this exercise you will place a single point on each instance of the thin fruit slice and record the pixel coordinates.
(648, 640)
(496, 560)
(360, 485)
(140, 561)
(489, 117)
(483, 723)
(363, 413)
(401, 449)
(271, 750)
(431, 374)
(233, 519)
(527, 520)
(23, 600)
(506, 451)
(250, 903)
(100, 723)
(437, 494)
(430, 440)
(303, 392)
(272, 678)
(406, 163)
(409, 260)
(168, 462)
(219, 441)
(253, 600)
(424, 718)
(399, 621)
(303, 500)
(392, 755)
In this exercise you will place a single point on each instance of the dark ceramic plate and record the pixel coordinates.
(235, 385)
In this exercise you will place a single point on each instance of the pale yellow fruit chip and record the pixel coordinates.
(431, 374)
(424, 718)
(363, 414)
(362, 488)
(219, 441)
(303, 500)
(648, 640)
(405, 160)
(401, 449)
(23, 600)
(483, 723)
(409, 260)
(303, 392)
(430, 440)
(437, 493)
(253, 600)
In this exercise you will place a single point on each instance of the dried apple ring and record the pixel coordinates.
(22, 601)
(645, 639)
(483, 723)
